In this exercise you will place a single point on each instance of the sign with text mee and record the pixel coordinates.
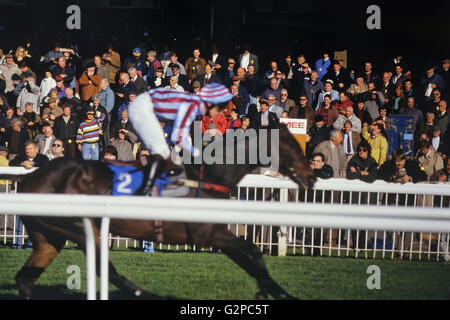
(295, 126)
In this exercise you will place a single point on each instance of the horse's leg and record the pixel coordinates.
(44, 251)
(248, 257)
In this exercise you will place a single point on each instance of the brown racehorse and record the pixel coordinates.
(72, 176)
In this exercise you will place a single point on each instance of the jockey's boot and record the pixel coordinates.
(157, 164)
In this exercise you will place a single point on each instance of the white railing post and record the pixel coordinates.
(282, 233)
(90, 260)
(104, 256)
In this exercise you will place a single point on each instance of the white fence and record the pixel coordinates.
(436, 220)
(330, 239)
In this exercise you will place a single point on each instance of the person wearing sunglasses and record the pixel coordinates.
(362, 166)
(57, 150)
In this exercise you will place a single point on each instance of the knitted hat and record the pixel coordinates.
(215, 93)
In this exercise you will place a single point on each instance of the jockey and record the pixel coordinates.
(181, 108)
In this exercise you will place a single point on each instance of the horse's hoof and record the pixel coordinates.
(261, 296)
(285, 296)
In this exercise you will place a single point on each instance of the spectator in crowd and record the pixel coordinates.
(158, 80)
(29, 94)
(194, 66)
(264, 118)
(312, 87)
(401, 170)
(428, 126)
(182, 80)
(50, 113)
(31, 120)
(64, 71)
(412, 110)
(384, 118)
(397, 102)
(328, 90)
(217, 118)
(281, 80)
(322, 65)
(89, 82)
(57, 149)
(196, 86)
(433, 104)
(59, 91)
(111, 59)
(135, 78)
(152, 64)
(45, 143)
(254, 83)
(343, 102)
(122, 123)
(135, 61)
(303, 111)
(320, 168)
(377, 141)
(6, 121)
(8, 68)
(208, 77)
(271, 100)
(328, 111)
(340, 77)
(234, 122)
(431, 81)
(439, 143)
(75, 103)
(444, 72)
(173, 84)
(273, 89)
(372, 106)
(31, 159)
(442, 118)
(229, 72)
(387, 87)
(285, 102)
(66, 128)
(246, 58)
(52, 56)
(100, 68)
(318, 133)
(242, 89)
(124, 144)
(350, 139)
(334, 153)
(237, 101)
(123, 106)
(409, 90)
(270, 74)
(429, 160)
(348, 116)
(217, 61)
(15, 138)
(107, 98)
(245, 123)
(88, 136)
(110, 153)
(399, 77)
(369, 75)
(362, 166)
(126, 86)
(174, 61)
(46, 85)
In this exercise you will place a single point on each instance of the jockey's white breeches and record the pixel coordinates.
(147, 125)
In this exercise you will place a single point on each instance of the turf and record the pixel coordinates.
(201, 276)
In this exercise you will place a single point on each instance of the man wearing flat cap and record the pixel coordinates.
(89, 82)
(432, 81)
(7, 69)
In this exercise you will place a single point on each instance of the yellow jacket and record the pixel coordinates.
(378, 144)
(4, 163)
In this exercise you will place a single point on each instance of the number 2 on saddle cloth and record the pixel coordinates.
(128, 180)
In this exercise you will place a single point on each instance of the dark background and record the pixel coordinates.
(417, 31)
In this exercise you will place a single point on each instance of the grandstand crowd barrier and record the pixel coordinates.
(324, 241)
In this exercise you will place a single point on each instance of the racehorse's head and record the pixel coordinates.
(292, 162)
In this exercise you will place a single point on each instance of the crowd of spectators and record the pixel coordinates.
(66, 104)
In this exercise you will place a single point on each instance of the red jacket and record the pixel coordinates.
(220, 121)
(236, 124)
